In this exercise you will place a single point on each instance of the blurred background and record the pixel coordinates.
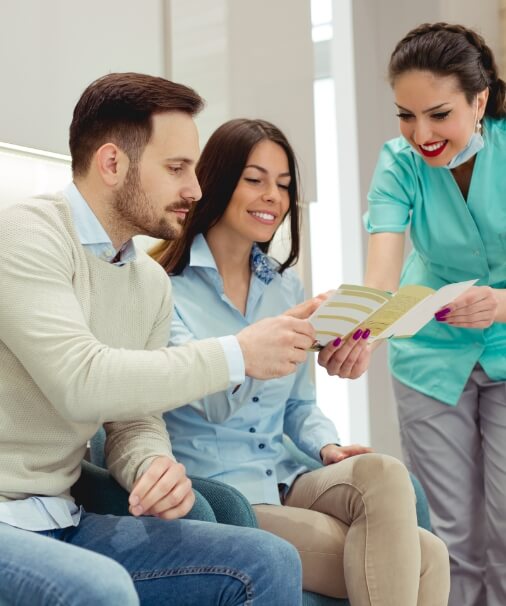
(316, 68)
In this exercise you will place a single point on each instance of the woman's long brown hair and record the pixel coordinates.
(218, 170)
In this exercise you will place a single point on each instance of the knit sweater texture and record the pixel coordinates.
(83, 343)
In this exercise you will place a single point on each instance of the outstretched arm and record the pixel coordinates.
(349, 360)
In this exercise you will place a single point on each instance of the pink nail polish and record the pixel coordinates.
(366, 334)
(357, 335)
(337, 342)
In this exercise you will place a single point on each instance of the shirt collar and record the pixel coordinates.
(261, 265)
(91, 232)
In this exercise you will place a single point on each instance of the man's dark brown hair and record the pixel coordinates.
(118, 108)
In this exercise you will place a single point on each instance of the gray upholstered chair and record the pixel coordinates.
(216, 501)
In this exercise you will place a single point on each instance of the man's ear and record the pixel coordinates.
(112, 164)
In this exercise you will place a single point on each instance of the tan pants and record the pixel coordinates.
(354, 525)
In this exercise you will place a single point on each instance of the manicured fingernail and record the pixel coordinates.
(134, 500)
(337, 342)
(366, 334)
(441, 315)
(137, 511)
(443, 312)
(357, 335)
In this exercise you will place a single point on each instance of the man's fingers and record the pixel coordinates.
(173, 513)
(148, 479)
(306, 308)
(173, 499)
(302, 341)
(303, 310)
(159, 488)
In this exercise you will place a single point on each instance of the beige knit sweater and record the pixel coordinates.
(82, 342)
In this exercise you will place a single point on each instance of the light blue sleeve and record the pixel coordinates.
(304, 422)
(218, 407)
(393, 189)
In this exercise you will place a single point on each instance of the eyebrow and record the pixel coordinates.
(425, 111)
(180, 159)
(263, 170)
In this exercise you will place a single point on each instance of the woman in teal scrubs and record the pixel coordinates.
(446, 178)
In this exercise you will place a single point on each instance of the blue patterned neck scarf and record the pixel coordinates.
(261, 265)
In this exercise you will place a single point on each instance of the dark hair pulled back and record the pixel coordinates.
(452, 50)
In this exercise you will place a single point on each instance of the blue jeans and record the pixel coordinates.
(109, 560)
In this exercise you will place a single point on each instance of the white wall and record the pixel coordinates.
(251, 60)
(50, 50)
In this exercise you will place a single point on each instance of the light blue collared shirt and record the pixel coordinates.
(237, 437)
(90, 232)
(46, 513)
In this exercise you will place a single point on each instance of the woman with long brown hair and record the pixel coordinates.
(353, 520)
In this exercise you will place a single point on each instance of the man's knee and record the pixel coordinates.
(111, 585)
(279, 557)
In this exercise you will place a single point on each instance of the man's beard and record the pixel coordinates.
(134, 208)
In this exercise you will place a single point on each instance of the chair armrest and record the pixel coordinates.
(98, 492)
(422, 505)
(228, 504)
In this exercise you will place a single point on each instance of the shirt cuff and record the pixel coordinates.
(235, 359)
(320, 441)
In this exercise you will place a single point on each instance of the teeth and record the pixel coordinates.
(264, 216)
(433, 147)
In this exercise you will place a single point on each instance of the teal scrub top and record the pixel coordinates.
(453, 240)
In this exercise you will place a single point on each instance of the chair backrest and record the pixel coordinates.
(97, 453)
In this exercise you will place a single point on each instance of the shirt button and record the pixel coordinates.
(476, 253)
(252, 430)
(269, 472)
(255, 399)
(261, 446)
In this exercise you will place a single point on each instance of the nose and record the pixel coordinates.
(271, 193)
(191, 191)
(422, 132)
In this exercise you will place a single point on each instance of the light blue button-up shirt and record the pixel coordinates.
(453, 240)
(46, 513)
(237, 437)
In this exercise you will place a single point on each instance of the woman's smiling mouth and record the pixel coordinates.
(433, 149)
(263, 217)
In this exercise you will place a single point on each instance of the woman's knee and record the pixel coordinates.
(435, 564)
(381, 470)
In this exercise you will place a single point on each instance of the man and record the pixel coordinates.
(84, 320)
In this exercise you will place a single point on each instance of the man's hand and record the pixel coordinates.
(476, 308)
(306, 308)
(333, 454)
(348, 360)
(163, 491)
(274, 346)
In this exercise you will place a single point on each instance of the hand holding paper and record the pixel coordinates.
(476, 308)
(385, 314)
